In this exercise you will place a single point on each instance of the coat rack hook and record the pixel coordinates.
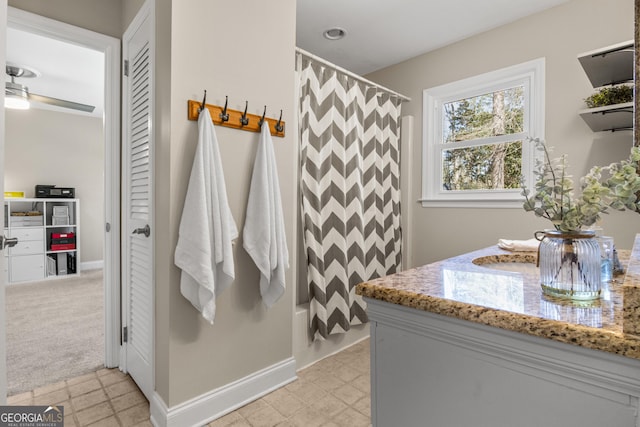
(204, 100)
(279, 127)
(262, 118)
(244, 120)
(224, 116)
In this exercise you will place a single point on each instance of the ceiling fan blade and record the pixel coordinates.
(61, 103)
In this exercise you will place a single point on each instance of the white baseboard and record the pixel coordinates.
(307, 352)
(216, 403)
(91, 265)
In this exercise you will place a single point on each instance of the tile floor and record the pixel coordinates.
(104, 398)
(333, 392)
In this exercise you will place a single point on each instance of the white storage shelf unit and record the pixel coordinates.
(36, 223)
(610, 65)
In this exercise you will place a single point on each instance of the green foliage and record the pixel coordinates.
(474, 118)
(610, 95)
(554, 197)
(471, 168)
(486, 166)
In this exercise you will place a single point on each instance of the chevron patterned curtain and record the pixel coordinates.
(350, 187)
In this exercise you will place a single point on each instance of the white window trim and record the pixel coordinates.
(532, 74)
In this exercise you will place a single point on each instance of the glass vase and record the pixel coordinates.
(569, 264)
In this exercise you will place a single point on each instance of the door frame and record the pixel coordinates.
(3, 340)
(110, 47)
(142, 374)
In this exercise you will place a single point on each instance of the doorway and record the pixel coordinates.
(109, 225)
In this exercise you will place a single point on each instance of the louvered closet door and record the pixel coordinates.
(138, 296)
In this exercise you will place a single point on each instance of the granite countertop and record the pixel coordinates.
(468, 287)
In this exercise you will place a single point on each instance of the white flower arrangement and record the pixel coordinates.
(554, 196)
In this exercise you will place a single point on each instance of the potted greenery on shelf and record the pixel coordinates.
(610, 96)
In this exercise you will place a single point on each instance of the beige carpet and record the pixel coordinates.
(55, 330)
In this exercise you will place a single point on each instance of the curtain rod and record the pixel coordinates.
(351, 74)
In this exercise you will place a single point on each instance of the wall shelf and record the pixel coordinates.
(609, 118)
(609, 65)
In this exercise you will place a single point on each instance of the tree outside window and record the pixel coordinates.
(490, 166)
(475, 133)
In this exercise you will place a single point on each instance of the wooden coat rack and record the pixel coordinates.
(235, 118)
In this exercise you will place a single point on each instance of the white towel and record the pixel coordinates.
(264, 234)
(204, 250)
(519, 245)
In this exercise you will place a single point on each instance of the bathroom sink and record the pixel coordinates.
(518, 263)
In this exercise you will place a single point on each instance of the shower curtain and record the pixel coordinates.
(350, 191)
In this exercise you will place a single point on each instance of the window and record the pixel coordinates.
(475, 134)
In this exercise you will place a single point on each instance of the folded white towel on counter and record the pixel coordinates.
(264, 234)
(519, 245)
(204, 251)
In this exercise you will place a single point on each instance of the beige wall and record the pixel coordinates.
(129, 10)
(244, 50)
(67, 150)
(165, 274)
(559, 35)
(97, 15)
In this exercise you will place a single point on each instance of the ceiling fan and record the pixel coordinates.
(18, 95)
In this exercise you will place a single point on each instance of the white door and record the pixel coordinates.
(137, 202)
